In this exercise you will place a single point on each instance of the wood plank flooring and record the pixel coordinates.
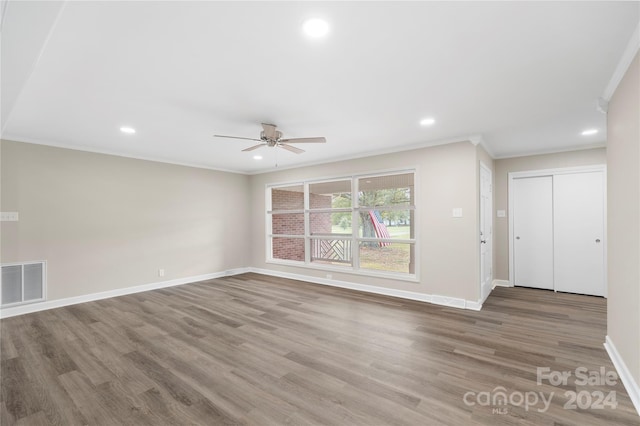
(259, 350)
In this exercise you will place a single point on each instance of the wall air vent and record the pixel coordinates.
(23, 283)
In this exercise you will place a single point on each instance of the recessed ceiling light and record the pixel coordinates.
(128, 130)
(589, 132)
(315, 27)
(257, 157)
(427, 121)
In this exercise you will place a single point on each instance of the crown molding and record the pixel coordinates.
(427, 144)
(623, 65)
(479, 140)
(475, 140)
(115, 153)
(596, 145)
(602, 106)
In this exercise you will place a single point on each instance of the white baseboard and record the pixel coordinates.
(51, 304)
(345, 284)
(485, 291)
(403, 294)
(474, 306)
(448, 301)
(632, 387)
(237, 271)
(501, 283)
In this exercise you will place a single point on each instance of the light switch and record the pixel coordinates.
(457, 212)
(502, 213)
(9, 216)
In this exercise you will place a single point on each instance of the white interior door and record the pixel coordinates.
(579, 233)
(486, 232)
(533, 232)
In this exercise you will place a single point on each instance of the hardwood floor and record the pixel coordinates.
(252, 349)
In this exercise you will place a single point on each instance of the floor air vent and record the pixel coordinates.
(23, 283)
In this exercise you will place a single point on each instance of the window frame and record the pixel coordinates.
(354, 237)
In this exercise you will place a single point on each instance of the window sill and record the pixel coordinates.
(413, 278)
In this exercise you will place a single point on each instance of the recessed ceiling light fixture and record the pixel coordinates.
(589, 132)
(127, 130)
(257, 157)
(315, 27)
(429, 121)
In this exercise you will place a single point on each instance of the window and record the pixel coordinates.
(287, 222)
(361, 223)
(385, 226)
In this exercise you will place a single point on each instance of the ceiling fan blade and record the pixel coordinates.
(291, 148)
(236, 137)
(269, 130)
(304, 140)
(254, 147)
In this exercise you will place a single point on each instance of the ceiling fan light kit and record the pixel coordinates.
(272, 137)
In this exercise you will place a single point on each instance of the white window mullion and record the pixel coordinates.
(297, 211)
(386, 240)
(307, 226)
(355, 225)
(285, 236)
(268, 225)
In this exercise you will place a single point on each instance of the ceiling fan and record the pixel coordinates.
(271, 137)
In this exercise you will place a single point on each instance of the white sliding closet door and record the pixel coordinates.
(533, 232)
(578, 201)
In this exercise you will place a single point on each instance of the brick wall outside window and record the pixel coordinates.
(293, 223)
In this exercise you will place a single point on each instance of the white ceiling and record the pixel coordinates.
(526, 76)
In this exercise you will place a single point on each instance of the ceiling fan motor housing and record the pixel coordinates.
(269, 141)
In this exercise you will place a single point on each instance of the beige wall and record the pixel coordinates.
(623, 191)
(104, 222)
(448, 247)
(518, 164)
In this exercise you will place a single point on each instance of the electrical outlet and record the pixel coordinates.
(161, 272)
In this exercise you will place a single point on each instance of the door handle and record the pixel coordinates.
(517, 238)
(597, 240)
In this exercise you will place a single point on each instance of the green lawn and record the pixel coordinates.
(394, 257)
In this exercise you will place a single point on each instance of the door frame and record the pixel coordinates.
(552, 172)
(485, 168)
